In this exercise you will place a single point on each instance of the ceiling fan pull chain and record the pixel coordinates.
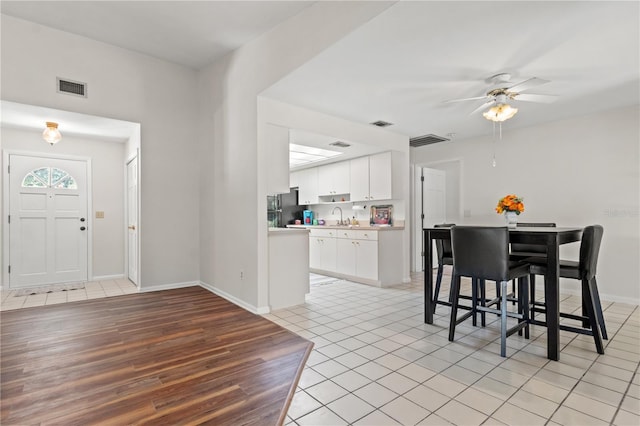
(493, 163)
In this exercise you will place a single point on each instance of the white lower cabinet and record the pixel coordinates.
(322, 250)
(366, 256)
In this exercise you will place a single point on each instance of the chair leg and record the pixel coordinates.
(596, 299)
(586, 322)
(455, 292)
(483, 302)
(589, 285)
(521, 306)
(513, 290)
(532, 295)
(525, 304)
(474, 300)
(436, 292)
(503, 319)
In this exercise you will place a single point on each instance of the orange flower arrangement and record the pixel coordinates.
(510, 203)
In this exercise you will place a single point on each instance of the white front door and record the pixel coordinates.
(48, 221)
(132, 219)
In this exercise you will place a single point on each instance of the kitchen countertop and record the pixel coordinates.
(292, 230)
(355, 227)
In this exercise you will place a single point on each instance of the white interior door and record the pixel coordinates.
(48, 240)
(434, 199)
(132, 219)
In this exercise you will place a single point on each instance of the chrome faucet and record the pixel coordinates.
(334, 210)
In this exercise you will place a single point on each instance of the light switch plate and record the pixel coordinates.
(99, 215)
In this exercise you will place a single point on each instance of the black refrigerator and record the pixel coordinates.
(283, 209)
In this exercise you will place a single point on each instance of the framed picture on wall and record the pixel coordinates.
(381, 215)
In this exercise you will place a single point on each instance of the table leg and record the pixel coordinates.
(428, 278)
(552, 299)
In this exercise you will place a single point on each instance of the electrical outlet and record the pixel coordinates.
(99, 215)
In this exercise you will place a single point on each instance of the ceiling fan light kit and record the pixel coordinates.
(500, 112)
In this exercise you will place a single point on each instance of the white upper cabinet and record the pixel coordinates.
(308, 186)
(375, 177)
(381, 176)
(359, 171)
(334, 179)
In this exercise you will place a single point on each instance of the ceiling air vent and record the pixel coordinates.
(340, 144)
(381, 123)
(426, 140)
(72, 87)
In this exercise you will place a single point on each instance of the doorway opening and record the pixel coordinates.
(51, 201)
(436, 199)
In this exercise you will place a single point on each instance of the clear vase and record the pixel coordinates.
(511, 218)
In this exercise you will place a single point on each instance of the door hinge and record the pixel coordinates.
(9, 268)
(422, 178)
(9, 218)
(9, 169)
(422, 215)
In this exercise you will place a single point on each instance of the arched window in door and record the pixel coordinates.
(49, 177)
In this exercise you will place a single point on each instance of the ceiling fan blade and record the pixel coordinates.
(466, 99)
(545, 99)
(524, 85)
(483, 106)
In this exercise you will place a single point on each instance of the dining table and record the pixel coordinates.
(551, 237)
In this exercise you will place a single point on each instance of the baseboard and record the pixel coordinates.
(107, 277)
(169, 286)
(235, 300)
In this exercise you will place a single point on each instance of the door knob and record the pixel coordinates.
(132, 227)
(82, 228)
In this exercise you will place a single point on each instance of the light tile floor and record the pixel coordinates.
(375, 362)
(92, 290)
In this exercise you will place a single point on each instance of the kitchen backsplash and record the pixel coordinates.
(360, 210)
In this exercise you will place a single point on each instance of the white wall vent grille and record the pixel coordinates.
(426, 140)
(71, 87)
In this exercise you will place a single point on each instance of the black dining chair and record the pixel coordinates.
(521, 251)
(584, 269)
(445, 257)
(482, 253)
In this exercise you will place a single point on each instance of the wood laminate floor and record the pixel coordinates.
(183, 356)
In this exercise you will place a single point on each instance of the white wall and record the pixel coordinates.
(233, 232)
(575, 172)
(122, 84)
(107, 190)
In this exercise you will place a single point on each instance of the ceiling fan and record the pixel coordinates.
(498, 97)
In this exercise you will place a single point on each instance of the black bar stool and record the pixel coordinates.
(482, 253)
(584, 270)
(521, 251)
(445, 257)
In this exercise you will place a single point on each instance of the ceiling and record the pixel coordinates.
(400, 66)
(191, 33)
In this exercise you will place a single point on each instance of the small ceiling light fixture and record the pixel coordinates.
(500, 112)
(51, 134)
